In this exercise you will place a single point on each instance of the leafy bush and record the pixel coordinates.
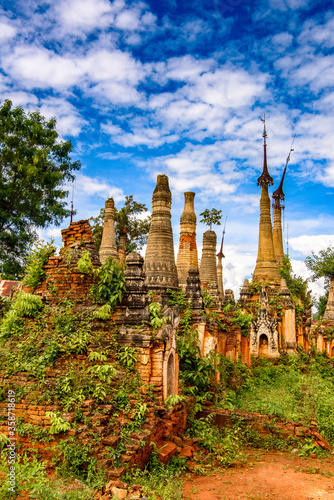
(36, 259)
(105, 373)
(25, 304)
(127, 356)
(103, 312)
(156, 319)
(84, 264)
(109, 283)
(57, 423)
(242, 319)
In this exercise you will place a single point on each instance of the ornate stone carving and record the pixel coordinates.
(264, 331)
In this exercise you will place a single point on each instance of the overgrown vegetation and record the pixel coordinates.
(296, 284)
(298, 388)
(36, 259)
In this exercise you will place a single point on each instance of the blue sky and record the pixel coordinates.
(143, 88)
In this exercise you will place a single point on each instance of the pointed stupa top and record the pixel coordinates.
(279, 191)
(220, 254)
(265, 177)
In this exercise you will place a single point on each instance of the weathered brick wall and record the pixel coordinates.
(63, 279)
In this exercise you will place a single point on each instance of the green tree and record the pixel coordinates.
(125, 219)
(321, 304)
(296, 284)
(34, 164)
(321, 264)
(210, 217)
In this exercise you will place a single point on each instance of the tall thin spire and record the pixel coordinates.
(220, 256)
(279, 197)
(266, 264)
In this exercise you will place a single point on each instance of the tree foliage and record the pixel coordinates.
(296, 284)
(321, 304)
(34, 164)
(210, 217)
(321, 264)
(125, 219)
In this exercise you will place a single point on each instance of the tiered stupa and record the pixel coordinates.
(266, 264)
(208, 268)
(187, 257)
(159, 267)
(108, 243)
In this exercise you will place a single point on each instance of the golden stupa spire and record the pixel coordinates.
(266, 264)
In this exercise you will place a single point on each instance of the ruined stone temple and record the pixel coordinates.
(187, 257)
(159, 267)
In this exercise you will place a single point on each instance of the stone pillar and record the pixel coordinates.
(329, 312)
(194, 289)
(187, 256)
(159, 267)
(135, 300)
(208, 269)
(277, 232)
(108, 243)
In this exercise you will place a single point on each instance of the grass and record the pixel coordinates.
(298, 388)
(31, 477)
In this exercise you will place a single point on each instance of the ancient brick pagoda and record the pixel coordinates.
(159, 266)
(187, 257)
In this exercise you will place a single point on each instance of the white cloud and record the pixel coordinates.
(7, 31)
(93, 186)
(305, 244)
(69, 121)
(39, 67)
(85, 14)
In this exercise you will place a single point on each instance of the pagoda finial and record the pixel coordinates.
(279, 191)
(265, 177)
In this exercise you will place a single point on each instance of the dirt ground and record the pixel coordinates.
(267, 476)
